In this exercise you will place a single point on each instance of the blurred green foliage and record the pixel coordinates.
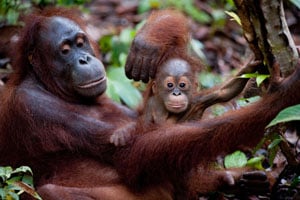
(236, 159)
(208, 79)
(115, 48)
(239, 159)
(186, 6)
(42, 3)
(259, 77)
(296, 3)
(14, 182)
(216, 16)
(10, 11)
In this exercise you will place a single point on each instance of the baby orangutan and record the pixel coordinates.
(169, 98)
(170, 94)
(166, 99)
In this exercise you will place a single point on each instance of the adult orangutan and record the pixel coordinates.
(54, 115)
(55, 118)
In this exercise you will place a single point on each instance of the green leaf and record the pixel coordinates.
(24, 169)
(111, 91)
(2, 193)
(144, 6)
(127, 35)
(259, 145)
(12, 16)
(296, 3)
(118, 47)
(295, 182)
(189, 8)
(13, 179)
(234, 16)
(256, 162)
(198, 15)
(197, 47)
(288, 114)
(13, 195)
(272, 154)
(12, 187)
(249, 75)
(122, 59)
(5, 172)
(274, 143)
(105, 43)
(28, 180)
(236, 159)
(242, 102)
(37, 196)
(218, 110)
(208, 80)
(273, 148)
(260, 78)
(119, 87)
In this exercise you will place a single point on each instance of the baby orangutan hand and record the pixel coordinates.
(121, 136)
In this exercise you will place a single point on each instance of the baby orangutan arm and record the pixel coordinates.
(230, 90)
(122, 135)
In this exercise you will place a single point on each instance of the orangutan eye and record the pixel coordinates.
(80, 42)
(182, 85)
(170, 85)
(65, 49)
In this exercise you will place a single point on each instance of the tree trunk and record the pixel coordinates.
(266, 31)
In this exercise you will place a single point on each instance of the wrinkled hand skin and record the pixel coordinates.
(255, 183)
(142, 60)
(164, 35)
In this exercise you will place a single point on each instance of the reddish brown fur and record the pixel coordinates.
(166, 36)
(67, 144)
(153, 114)
(175, 25)
(178, 148)
(43, 128)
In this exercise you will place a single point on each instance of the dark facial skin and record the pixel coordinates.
(75, 67)
(173, 85)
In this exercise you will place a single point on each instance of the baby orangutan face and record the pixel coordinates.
(173, 85)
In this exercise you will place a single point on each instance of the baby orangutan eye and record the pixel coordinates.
(182, 85)
(170, 85)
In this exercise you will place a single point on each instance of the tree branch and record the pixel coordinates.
(266, 31)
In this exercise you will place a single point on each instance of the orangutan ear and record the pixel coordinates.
(154, 87)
